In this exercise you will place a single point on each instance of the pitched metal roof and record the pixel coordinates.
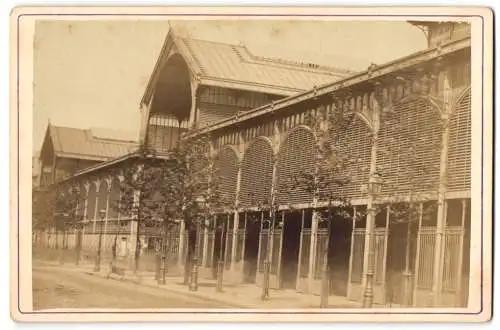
(82, 143)
(234, 66)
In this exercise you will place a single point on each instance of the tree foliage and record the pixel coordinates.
(56, 206)
(181, 185)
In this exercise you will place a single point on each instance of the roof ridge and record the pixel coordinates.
(305, 66)
(308, 66)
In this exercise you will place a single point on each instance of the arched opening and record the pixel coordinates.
(459, 152)
(171, 105)
(91, 201)
(224, 176)
(102, 203)
(255, 187)
(409, 155)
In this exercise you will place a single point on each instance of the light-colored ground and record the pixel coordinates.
(57, 287)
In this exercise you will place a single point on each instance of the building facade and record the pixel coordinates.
(411, 125)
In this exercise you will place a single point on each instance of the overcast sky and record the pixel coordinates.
(93, 73)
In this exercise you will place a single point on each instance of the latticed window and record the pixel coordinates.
(164, 131)
(114, 199)
(91, 202)
(226, 173)
(296, 157)
(256, 173)
(459, 152)
(409, 148)
(102, 199)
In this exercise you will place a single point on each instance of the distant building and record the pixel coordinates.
(35, 169)
(67, 150)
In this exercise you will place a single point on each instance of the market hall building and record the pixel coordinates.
(256, 111)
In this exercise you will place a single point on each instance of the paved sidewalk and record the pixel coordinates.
(236, 296)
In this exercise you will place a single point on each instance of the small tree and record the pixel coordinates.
(330, 174)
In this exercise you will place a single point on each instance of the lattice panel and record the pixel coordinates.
(459, 152)
(240, 241)
(228, 249)
(296, 156)
(358, 251)
(320, 253)
(276, 252)
(305, 252)
(380, 239)
(263, 242)
(409, 149)
(426, 257)
(453, 241)
(164, 132)
(210, 248)
(354, 144)
(226, 173)
(256, 173)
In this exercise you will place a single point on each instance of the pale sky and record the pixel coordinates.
(93, 73)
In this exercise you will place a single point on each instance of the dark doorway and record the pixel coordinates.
(219, 242)
(338, 255)
(396, 255)
(251, 247)
(291, 245)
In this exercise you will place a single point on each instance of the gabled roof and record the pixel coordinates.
(234, 66)
(84, 144)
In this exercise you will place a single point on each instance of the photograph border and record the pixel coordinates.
(219, 315)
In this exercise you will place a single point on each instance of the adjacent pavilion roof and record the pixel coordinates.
(234, 66)
(91, 144)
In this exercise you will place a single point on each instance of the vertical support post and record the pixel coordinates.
(243, 242)
(236, 219)
(369, 254)
(417, 257)
(133, 242)
(234, 246)
(461, 255)
(204, 261)
(182, 237)
(351, 254)
(440, 225)
(105, 234)
(386, 242)
(96, 206)
(194, 269)
(299, 266)
(312, 251)
(325, 281)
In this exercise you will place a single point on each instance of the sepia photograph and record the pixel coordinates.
(328, 165)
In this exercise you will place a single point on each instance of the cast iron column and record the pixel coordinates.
(220, 262)
(325, 283)
(194, 268)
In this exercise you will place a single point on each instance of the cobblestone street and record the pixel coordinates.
(55, 287)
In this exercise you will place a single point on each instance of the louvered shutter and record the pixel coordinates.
(459, 151)
(409, 149)
(226, 170)
(297, 155)
(256, 173)
(355, 143)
